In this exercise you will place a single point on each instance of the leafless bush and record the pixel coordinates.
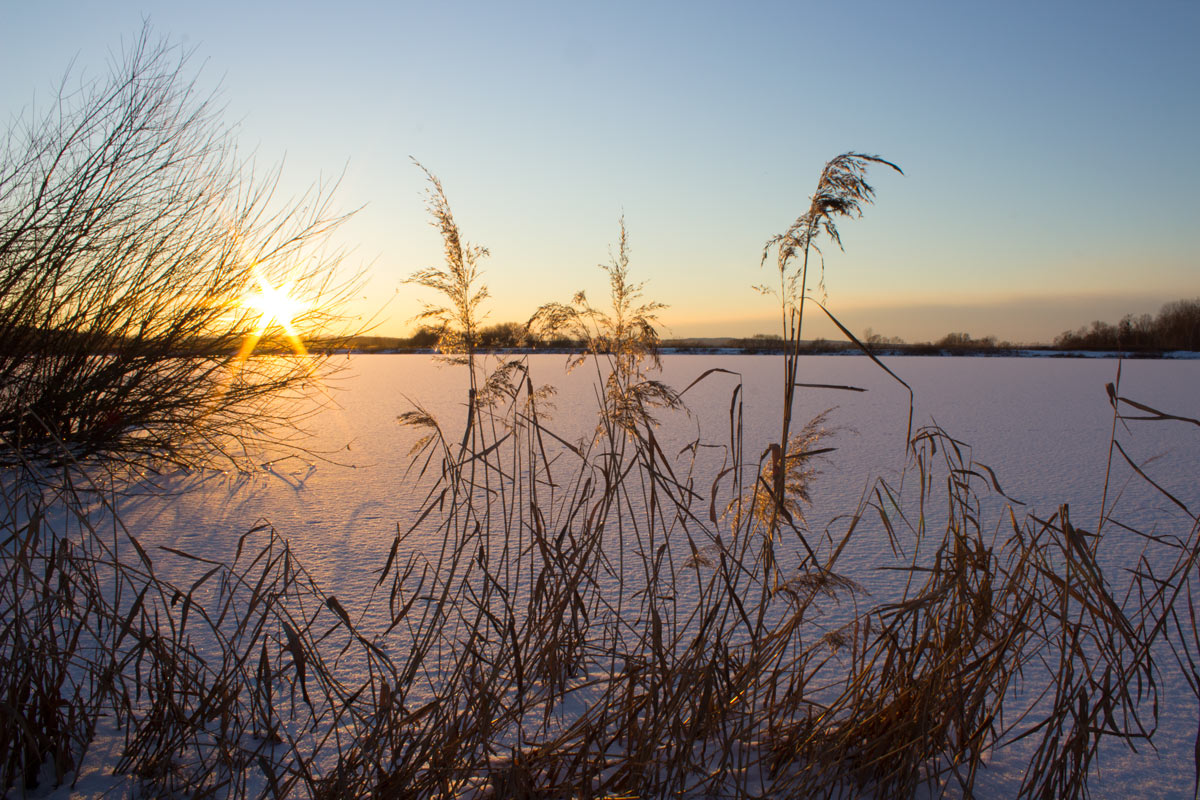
(133, 238)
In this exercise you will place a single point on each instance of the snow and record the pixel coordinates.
(1042, 424)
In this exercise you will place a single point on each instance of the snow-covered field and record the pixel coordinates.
(1043, 425)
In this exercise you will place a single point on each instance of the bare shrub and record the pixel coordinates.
(133, 243)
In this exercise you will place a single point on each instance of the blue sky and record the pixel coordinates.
(1048, 147)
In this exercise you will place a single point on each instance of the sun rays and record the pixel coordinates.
(276, 308)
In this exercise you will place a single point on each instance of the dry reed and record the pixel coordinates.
(594, 622)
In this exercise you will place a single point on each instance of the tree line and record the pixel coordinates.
(1176, 327)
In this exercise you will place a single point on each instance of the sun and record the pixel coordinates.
(275, 307)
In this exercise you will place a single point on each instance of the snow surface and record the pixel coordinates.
(1042, 424)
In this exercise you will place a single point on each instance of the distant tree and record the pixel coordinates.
(820, 345)
(954, 340)
(140, 263)
(872, 338)
(1135, 333)
(501, 335)
(425, 337)
(1098, 336)
(1176, 327)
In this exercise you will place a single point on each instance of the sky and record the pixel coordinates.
(1048, 149)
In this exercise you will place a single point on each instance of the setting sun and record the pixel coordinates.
(275, 307)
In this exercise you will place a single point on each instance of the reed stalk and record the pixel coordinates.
(600, 617)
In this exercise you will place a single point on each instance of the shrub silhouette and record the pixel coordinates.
(131, 234)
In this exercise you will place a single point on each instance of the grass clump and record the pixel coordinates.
(598, 617)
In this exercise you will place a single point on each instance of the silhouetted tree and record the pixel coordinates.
(425, 337)
(954, 340)
(1177, 327)
(502, 334)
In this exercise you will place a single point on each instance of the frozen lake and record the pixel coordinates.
(1043, 425)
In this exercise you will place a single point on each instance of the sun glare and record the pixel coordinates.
(276, 308)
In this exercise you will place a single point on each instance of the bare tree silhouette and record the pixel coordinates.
(136, 249)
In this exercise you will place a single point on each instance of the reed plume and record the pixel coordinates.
(625, 337)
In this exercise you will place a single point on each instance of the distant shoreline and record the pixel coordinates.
(837, 350)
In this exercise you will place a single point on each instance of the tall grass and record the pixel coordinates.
(601, 617)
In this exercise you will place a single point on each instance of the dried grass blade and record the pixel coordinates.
(706, 373)
(1151, 481)
(846, 331)
(837, 386)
